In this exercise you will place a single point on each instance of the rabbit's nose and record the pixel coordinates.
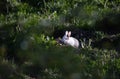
(67, 38)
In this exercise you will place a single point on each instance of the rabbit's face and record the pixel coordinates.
(66, 36)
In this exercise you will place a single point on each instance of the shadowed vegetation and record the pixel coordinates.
(29, 39)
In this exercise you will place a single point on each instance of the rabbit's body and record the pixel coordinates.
(70, 40)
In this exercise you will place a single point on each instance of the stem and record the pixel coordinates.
(105, 4)
(44, 4)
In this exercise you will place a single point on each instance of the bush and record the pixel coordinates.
(26, 29)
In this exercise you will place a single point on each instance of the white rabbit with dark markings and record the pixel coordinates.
(68, 40)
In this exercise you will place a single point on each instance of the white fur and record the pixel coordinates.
(68, 40)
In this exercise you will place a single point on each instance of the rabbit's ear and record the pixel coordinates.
(69, 33)
(66, 33)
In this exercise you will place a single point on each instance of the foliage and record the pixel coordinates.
(28, 49)
(66, 62)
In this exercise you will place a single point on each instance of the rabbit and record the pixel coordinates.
(68, 40)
